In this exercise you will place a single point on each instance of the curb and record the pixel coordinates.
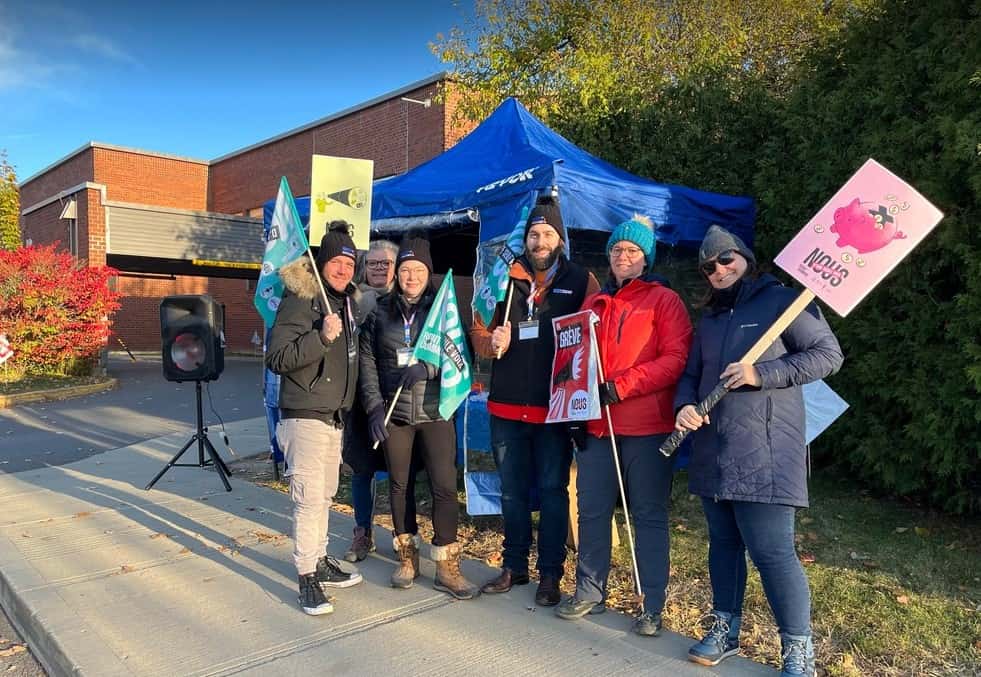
(56, 393)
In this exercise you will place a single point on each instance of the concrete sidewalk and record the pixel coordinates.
(104, 578)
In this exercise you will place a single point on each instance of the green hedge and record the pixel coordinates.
(902, 85)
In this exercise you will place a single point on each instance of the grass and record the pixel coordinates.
(896, 589)
(31, 383)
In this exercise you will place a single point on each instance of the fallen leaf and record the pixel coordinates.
(81, 515)
(922, 532)
(855, 556)
(807, 558)
(25, 535)
(15, 649)
(901, 530)
(811, 536)
(183, 551)
(848, 661)
(903, 599)
(806, 520)
(158, 535)
(680, 527)
(870, 564)
(126, 569)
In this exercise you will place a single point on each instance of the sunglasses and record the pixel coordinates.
(725, 258)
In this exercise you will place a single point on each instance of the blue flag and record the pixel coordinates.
(493, 288)
(442, 344)
(285, 243)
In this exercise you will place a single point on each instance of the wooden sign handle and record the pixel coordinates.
(762, 344)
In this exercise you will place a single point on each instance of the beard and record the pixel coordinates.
(548, 261)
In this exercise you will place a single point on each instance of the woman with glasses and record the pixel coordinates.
(389, 372)
(748, 459)
(642, 336)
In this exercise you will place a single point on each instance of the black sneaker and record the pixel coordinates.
(647, 624)
(573, 608)
(312, 599)
(331, 575)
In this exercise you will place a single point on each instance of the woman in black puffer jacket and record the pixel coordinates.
(748, 460)
(387, 341)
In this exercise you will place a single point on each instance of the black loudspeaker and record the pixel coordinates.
(192, 338)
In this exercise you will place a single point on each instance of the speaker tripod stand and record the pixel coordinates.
(201, 437)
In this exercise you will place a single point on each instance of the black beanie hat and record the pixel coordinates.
(546, 211)
(336, 242)
(415, 249)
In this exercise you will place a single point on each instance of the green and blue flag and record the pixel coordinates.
(285, 243)
(443, 345)
(494, 287)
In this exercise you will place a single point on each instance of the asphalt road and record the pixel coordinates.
(143, 405)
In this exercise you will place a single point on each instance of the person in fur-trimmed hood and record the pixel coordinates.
(313, 345)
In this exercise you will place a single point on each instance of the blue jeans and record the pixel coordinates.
(527, 453)
(767, 532)
(647, 476)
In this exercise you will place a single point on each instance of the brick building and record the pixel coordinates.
(175, 225)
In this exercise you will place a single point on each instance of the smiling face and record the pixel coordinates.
(413, 278)
(379, 268)
(626, 260)
(542, 245)
(339, 271)
(728, 268)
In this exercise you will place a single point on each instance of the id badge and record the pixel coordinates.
(527, 330)
(402, 356)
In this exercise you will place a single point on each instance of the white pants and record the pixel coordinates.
(313, 456)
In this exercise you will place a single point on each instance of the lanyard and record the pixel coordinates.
(535, 288)
(407, 326)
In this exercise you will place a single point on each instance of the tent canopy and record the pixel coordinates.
(512, 157)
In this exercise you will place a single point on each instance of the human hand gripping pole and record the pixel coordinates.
(507, 311)
(719, 391)
(623, 492)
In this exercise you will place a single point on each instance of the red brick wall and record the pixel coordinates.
(453, 129)
(72, 172)
(151, 180)
(91, 227)
(249, 179)
(137, 322)
(44, 227)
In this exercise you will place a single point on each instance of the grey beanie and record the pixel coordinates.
(718, 240)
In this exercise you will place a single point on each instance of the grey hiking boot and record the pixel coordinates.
(798, 656)
(573, 608)
(407, 550)
(647, 624)
(361, 545)
(312, 599)
(449, 578)
(721, 641)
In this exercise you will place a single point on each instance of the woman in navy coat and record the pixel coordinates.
(749, 460)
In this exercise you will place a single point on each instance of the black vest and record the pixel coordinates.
(523, 374)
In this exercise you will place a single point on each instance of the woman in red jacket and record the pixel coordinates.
(643, 337)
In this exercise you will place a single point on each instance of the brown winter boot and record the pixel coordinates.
(449, 578)
(407, 550)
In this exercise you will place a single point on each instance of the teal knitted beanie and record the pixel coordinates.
(638, 230)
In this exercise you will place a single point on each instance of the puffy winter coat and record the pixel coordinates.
(643, 335)
(382, 335)
(753, 449)
(318, 380)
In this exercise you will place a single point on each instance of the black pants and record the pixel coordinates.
(437, 448)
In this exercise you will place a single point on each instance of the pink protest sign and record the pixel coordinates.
(861, 234)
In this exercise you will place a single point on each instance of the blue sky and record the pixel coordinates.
(198, 79)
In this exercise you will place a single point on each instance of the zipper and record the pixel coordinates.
(623, 318)
(725, 340)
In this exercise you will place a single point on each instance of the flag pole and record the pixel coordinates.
(623, 493)
(507, 311)
(391, 408)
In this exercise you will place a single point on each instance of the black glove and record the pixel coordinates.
(577, 433)
(376, 425)
(608, 393)
(413, 374)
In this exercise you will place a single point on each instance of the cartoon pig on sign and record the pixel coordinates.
(866, 230)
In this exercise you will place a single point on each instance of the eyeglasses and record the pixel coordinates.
(379, 265)
(632, 253)
(724, 259)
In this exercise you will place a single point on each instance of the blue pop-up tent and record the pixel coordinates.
(511, 157)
